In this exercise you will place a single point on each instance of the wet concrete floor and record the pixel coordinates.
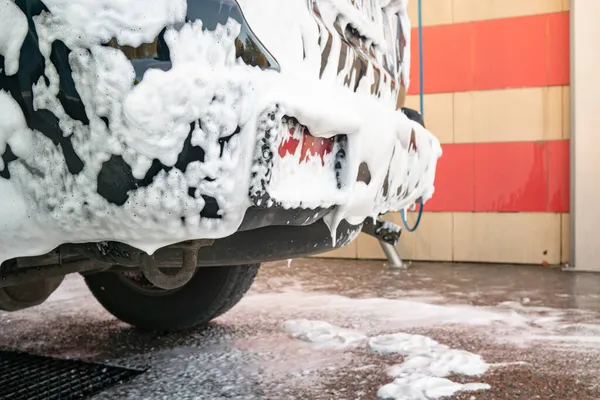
(538, 327)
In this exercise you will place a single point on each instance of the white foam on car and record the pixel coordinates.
(294, 175)
(13, 29)
(44, 205)
(424, 371)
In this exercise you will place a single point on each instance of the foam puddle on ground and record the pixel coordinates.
(374, 313)
(323, 334)
(424, 370)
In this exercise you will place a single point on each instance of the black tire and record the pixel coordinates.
(211, 292)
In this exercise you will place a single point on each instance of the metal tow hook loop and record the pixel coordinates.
(151, 271)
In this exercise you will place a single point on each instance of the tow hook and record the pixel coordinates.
(189, 252)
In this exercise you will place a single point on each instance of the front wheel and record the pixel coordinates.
(211, 292)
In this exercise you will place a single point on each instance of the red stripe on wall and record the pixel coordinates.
(503, 177)
(493, 54)
(559, 175)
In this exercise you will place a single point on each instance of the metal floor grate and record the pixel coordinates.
(28, 377)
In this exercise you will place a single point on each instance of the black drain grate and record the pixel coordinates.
(28, 377)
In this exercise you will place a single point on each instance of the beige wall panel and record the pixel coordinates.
(435, 12)
(463, 117)
(369, 248)
(432, 241)
(553, 112)
(477, 10)
(439, 114)
(527, 238)
(524, 114)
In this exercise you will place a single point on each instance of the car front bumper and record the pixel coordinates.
(187, 144)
